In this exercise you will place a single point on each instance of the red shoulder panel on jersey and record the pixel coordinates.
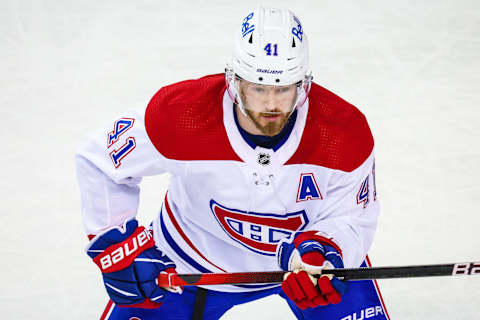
(185, 120)
(336, 133)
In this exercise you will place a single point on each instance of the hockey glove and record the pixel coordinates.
(130, 264)
(306, 254)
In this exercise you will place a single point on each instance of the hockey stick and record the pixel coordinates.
(430, 270)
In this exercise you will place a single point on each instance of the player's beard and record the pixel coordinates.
(268, 128)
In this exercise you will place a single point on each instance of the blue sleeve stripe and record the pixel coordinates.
(178, 250)
(182, 254)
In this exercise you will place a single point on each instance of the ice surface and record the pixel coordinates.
(66, 67)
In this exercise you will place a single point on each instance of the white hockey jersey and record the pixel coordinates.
(228, 204)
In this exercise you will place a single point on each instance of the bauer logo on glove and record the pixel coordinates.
(130, 264)
(119, 256)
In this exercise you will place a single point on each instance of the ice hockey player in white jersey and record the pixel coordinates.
(269, 171)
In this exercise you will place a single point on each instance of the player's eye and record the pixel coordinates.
(283, 90)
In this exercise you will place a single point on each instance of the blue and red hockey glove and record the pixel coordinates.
(130, 264)
(306, 254)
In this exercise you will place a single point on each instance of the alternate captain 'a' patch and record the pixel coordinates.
(308, 188)
(259, 232)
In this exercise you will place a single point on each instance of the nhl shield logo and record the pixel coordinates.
(259, 232)
(263, 159)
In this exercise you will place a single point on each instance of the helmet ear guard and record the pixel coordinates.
(233, 90)
(303, 91)
(270, 49)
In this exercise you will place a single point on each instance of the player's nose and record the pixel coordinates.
(271, 100)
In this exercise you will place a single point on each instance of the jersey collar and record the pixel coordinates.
(257, 155)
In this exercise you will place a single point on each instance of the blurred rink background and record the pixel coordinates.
(67, 67)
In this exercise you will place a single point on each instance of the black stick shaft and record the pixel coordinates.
(432, 270)
(452, 269)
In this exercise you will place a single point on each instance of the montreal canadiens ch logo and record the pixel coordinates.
(259, 232)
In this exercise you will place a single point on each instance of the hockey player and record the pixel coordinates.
(269, 171)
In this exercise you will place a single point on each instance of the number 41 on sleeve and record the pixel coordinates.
(121, 126)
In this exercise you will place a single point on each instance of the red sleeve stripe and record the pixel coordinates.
(183, 235)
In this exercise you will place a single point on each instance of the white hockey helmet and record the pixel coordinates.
(270, 49)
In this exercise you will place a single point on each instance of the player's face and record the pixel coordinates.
(268, 106)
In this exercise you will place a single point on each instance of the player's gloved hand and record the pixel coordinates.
(306, 254)
(130, 264)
